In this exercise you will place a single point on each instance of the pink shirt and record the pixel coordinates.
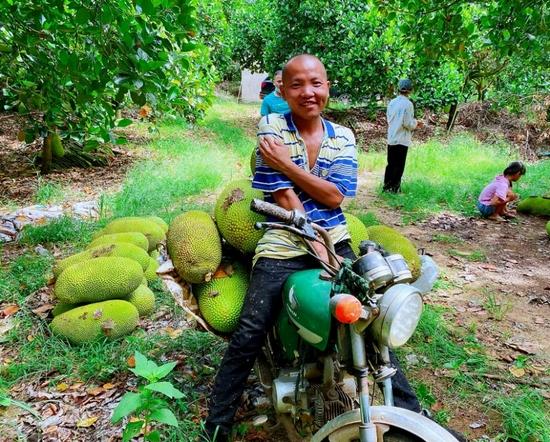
(498, 187)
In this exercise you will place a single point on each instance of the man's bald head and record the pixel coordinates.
(304, 60)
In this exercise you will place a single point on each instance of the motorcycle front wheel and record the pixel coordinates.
(399, 425)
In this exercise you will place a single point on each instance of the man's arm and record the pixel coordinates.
(275, 154)
(288, 199)
(409, 122)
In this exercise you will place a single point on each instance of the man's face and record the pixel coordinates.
(305, 88)
(278, 81)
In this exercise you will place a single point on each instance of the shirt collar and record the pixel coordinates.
(329, 128)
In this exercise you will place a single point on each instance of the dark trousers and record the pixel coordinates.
(260, 310)
(397, 156)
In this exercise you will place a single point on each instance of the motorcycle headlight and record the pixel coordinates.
(400, 310)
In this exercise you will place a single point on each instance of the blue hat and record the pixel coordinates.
(405, 85)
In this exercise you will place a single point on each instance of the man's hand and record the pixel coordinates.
(275, 154)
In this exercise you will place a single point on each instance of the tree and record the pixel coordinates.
(479, 37)
(68, 65)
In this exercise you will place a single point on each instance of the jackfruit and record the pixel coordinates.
(194, 244)
(394, 242)
(98, 279)
(234, 218)
(95, 321)
(154, 234)
(535, 205)
(221, 299)
(57, 147)
(135, 238)
(63, 307)
(159, 222)
(357, 230)
(143, 299)
(123, 249)
(150, 272)
(548, 227)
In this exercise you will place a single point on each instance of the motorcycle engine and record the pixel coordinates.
(298, 396)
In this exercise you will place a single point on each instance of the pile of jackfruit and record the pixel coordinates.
(202, 248)
(103, 290)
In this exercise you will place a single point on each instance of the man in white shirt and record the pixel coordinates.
(401, 123)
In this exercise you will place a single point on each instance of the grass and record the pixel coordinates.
(450, 174)
(182, 168)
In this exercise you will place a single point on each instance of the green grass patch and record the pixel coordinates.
(450, 175)
(475, 256)
(185, 163)
(61, 230)
(26, 274)
(449, 239)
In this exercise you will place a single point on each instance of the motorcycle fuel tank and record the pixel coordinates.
(306, 301)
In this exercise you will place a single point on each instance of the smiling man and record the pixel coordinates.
(304, 162)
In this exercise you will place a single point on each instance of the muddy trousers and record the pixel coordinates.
(260, 310)
(397, 157)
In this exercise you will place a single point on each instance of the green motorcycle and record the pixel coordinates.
(315, 363)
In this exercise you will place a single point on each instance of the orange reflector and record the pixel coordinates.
(346, 308)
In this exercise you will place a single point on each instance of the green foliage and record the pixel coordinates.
(525, 414)
(146, 405)
(59, 230)
(71, 65)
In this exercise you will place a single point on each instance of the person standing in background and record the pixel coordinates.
(274, 103)
(401, 123)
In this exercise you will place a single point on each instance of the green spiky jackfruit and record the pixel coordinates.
(159, 222)
(92, 322)
(194, 245)
(143, 299)
(123, 249)
(57, 147)
(63, 307)
(221, 299)
(98, 279)
(357, 230)
(535, 205)
(136, 238)
(154, 234)
(150, 272)
(234, 218)
(394, 242)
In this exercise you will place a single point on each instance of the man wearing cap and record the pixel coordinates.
(401, 123)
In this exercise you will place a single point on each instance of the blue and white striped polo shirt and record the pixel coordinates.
(336, 162)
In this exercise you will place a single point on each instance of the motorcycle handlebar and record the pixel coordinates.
(268, 209)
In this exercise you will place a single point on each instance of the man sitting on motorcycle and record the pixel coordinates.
(304, 163)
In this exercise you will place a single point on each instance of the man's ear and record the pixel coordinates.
(282, 91)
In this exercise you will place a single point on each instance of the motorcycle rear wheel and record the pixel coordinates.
(404, 426)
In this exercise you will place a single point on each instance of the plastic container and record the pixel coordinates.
(429, 272)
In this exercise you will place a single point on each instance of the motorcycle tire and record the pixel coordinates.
(404, 426)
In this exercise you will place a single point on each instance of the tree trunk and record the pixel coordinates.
(47, 155)
(452, 117)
